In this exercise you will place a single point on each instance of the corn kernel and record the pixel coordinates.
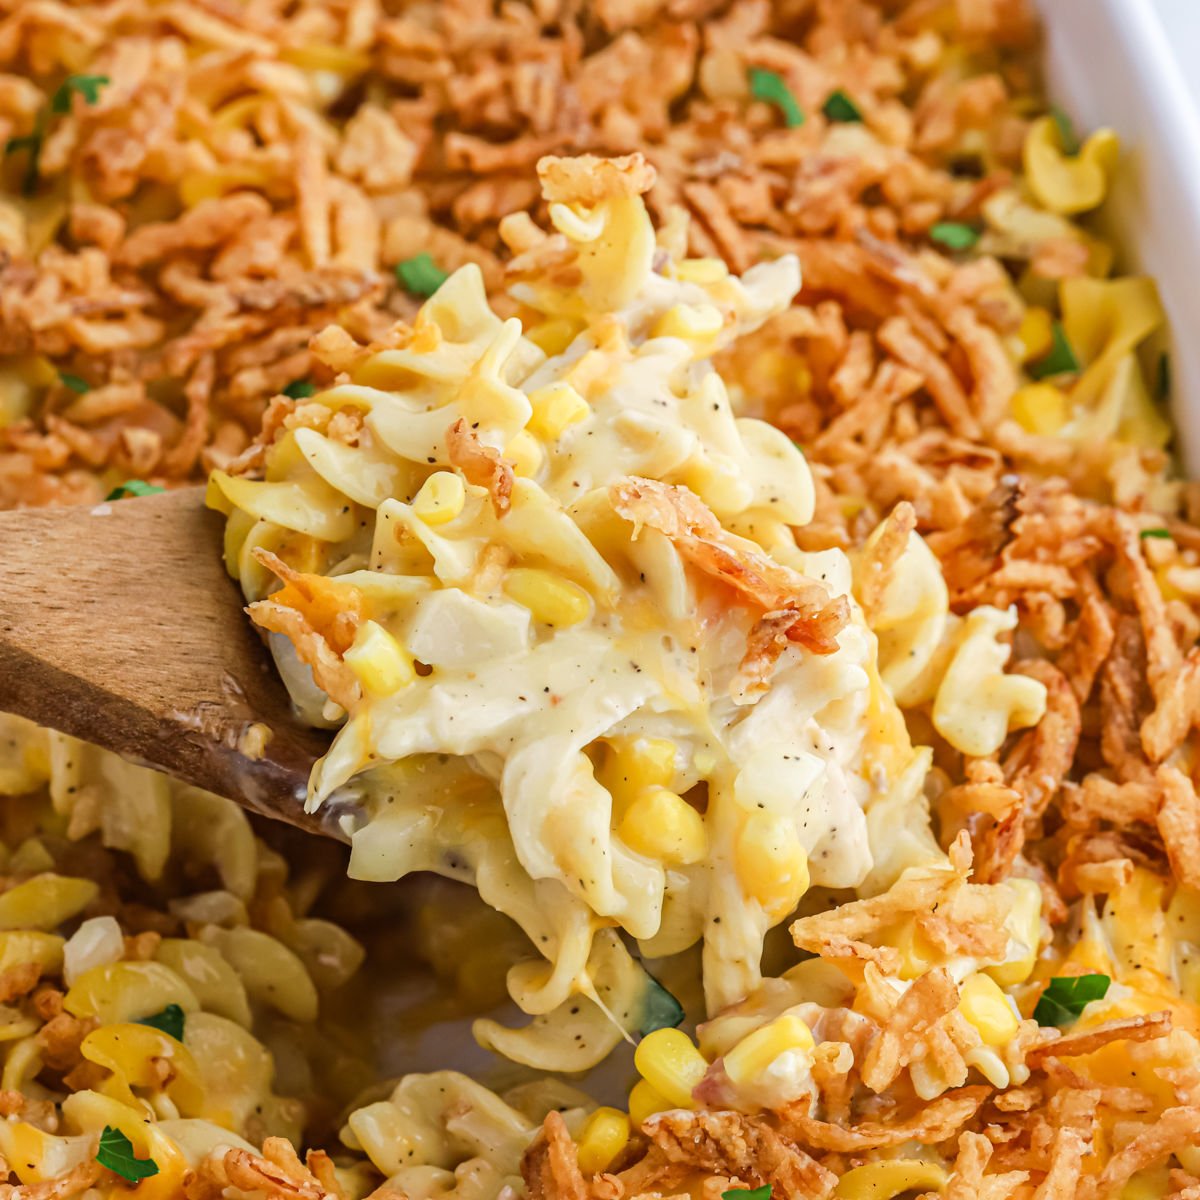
(756, 1052)
(701, 270)
(551, 599)
(556, 407)
(525, 454)
(693, 322)
(886, 1178)
(644, 1102)
(661, 824)
(631, 765)
(1165, 586)
(917, 953)
(378, 661)
(440, 499)
(1036, 333)
(553, 336)
(669, 1061)
(45, 901)
(1041, 408)
(604, 1135)
(987, 1008)
(771, 864)
(1024, 922)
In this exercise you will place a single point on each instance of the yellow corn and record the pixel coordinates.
(440, 499)
(1041, 408)
(889, 1177)
(378, 661)
(525, 454)
(1024, 922)
(1036, 333)
(669, 1061)
(661, 824)
(693, 322)
(604, 1135)
(701, 270)
(27, 945)
(917, 953)
(633, 764)
(556, 408)
(551, 599)
(45, 901)
(771, 864)
(1154, 1183)
(644, 1102)
(553, 336)
(987, 1008)
(756, 1052)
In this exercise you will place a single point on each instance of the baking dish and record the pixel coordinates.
(1112, 62)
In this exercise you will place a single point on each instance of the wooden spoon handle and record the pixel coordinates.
(120, 626)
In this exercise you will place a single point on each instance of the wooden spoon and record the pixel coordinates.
(120, 626)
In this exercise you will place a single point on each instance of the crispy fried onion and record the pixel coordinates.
(1122, 1029)
(736, 1146)
(929, 1124)
(481, 465)
(798, 609)
(550, 1165)
(957, 916)
(587, 179)
(320, 617)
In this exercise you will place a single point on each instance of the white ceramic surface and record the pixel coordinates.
(1135, 65)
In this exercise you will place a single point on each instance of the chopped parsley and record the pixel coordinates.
(116, 1153)
(839, 107)
(1155, 533)
(1066, 996)
(1059, 359)
(77, 384)
(660, 1010)
(87, 86)
(771, 87)
(31, 143)
(169, 1021)
(420, 275)
(300, 389)
(1067, 137)
(760, 1193)
(954, 235)
(134, 487)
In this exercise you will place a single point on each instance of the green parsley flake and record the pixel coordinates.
(134, 487)
(1067, 137)
(300, 389)
(839, 107)
(76, 383)
(1155, 533)
(31, 143)
(420, 275)
(954, 235)
(660, 1010)
(1066, 997)
(116, 1153)
(1162, 385)
(1059, 360)
(761, 1193)
(87, 86)
(169, 1021)
(771, 87)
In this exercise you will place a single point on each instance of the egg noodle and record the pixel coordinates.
(782, 644)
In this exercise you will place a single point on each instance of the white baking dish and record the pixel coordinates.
(1113, 62)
